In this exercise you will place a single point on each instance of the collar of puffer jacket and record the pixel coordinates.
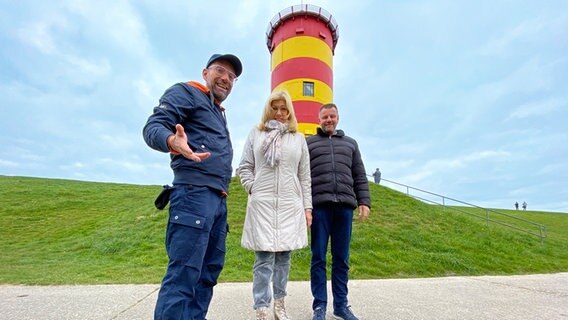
(338, 133)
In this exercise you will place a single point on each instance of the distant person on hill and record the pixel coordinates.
(516, 205)
(275, 171)
(190, 124)
(377, 176)
(524, 205)
(339, 185)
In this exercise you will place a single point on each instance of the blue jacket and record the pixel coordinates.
(203, 119)
(338, 173)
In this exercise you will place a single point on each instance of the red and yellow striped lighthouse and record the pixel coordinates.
(301, 40)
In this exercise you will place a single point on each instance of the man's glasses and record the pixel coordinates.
(222, 71)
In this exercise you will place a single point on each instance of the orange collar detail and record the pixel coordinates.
(205, 90)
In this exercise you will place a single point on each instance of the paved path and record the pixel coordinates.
(489, 297)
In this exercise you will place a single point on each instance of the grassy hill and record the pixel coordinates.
(73, 232)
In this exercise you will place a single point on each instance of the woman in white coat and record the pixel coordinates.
(275, 171)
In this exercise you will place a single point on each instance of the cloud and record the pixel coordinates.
(39, 34)
(8, 163)
(462, 161)
(553, 169)
(486, 154)
(461, 99)
(538, 108)
(417, 177)
(114, 23)
(89, 68)
(526, 32)
(532, 78)
(522, 192)
(444, 167)
(105, 169)
(110, 33)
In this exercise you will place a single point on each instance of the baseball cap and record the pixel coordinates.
(232, 59)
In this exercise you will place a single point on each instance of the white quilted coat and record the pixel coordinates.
(275, 218)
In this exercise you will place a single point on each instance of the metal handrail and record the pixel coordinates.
(542, 228)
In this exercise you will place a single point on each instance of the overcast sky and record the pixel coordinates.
(468, 99)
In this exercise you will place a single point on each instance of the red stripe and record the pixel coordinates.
(302, 68)
(311, 27)
(307, 111)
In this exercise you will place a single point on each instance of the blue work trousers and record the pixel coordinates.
(195, 243)
(330, 222)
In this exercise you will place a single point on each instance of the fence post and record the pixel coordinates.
(487, 217)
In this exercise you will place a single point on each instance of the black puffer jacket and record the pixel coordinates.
(338, 173)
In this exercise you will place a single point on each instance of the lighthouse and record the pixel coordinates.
(301, 40)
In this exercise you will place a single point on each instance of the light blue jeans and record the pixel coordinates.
(269, 266)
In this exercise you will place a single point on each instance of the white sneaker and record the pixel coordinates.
(262, 313)
(280, 310)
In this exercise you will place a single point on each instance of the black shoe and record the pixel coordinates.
(319, 313)
(344, 314)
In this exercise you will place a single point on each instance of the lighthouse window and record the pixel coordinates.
(308, 89)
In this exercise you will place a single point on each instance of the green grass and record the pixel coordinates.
(73, 232)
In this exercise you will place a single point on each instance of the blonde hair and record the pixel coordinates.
(268, 114)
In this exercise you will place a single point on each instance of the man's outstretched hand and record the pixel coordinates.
(178, 144)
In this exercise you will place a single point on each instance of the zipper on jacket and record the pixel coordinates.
(220, 115)
(333, 170)
(277, 222)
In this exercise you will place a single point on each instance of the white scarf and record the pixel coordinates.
(271, 146)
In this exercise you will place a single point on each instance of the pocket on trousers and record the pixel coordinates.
(189, 220)
(187, 239)
(186, 206)
(221, 239)
(187, 230)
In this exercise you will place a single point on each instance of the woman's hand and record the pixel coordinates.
(308, 217)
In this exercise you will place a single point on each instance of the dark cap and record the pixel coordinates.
(232, 59)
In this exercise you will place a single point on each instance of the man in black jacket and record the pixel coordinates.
(339, 185)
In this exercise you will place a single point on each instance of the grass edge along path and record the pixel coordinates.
(74, 232)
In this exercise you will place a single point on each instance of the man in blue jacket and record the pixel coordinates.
(190, 124)
(339, 185)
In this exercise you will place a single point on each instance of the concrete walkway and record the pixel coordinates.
(488, 297)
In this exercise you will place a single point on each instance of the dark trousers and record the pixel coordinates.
(195, 243)
(335, 223)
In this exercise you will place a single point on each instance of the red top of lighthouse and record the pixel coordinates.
(300, 10)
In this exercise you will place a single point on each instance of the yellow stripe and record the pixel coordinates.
(296, 47)
(308, 129)
(322, 92)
